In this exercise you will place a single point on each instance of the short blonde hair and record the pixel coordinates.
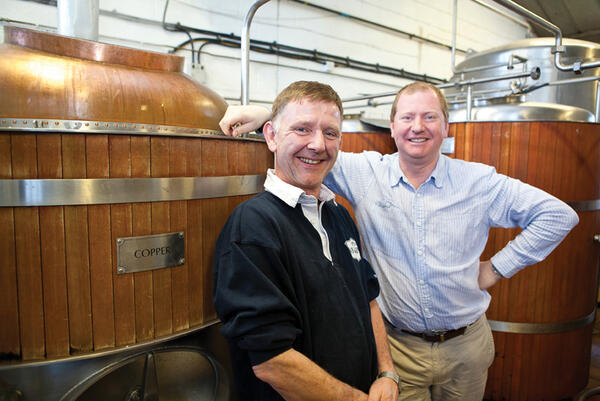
(417, 87)
(310, 90)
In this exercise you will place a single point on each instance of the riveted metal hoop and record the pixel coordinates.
(47, 125)
(91, 191)
(542, 328)
(585, 206)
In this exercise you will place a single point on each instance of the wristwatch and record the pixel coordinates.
(391, 375)
(496, 272)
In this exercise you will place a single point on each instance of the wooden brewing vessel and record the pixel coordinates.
(542, 318)
(92, 116)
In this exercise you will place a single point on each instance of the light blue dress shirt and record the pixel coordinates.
(425, 243)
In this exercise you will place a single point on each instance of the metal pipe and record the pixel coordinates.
(509, 66)
(573, 80)
(552, 83)
(597, 109)
(524, 24)
(374, 96)
(511, 5)
(533, 74)
(469, 102)
(454, 18)
(577, 66)
(245, 49)
(473, 93)
(78, 18)
(588, 393)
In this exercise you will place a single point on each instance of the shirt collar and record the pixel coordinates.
(290, 194)
(440, 172)
(437, 176)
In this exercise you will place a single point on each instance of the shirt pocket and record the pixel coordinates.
(388, 229)
(460, 236)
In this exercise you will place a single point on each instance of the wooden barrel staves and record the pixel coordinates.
(542, 318)
(114, 184)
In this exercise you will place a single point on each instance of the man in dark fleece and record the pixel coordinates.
(296, 297)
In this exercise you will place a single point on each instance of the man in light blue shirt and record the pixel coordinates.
(424, 219)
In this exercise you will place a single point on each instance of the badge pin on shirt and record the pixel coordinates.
(353, 248)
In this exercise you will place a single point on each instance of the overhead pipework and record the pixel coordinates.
(245, 48)
(578, 66)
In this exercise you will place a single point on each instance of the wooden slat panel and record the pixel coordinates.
(10, 344)
(476, 142)
(549, 132)
(159, 167)
(54, 281)
(533, 159)
(214, 163)
(567, 257)
(535, 367)
(54, 278)
(103, 315)
(468, 143)
(142, 216)
(193, 238)
(120, 216)
(561, 259)
(522, 286)
(27, 246)
(458, 131)
(27, 239)
(178, 213)
(485, 138)
(77, 251)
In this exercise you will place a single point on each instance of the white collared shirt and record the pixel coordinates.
(311, 207)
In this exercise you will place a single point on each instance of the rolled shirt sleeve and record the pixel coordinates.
(545, 220)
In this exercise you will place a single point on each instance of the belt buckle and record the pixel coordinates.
(440, 333)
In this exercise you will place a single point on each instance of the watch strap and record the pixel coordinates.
(390, 375)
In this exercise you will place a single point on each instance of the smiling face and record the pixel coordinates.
(418, 128)
(305, 137)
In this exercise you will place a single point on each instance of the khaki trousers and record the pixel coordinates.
(455, 369)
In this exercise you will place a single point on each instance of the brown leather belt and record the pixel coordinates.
(438, 336)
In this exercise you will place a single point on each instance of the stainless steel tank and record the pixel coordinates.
(527, 99)
(544, 132)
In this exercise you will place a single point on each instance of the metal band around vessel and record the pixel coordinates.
(112, 127)
(585, 206)
(91, 191)
(542, 328)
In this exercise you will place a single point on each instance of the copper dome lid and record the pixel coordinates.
(52, 77)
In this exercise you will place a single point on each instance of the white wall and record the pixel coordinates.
(298, 25)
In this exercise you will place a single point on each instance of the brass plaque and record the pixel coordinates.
(149, 252)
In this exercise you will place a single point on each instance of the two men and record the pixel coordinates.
(424, 219)
(295, 296)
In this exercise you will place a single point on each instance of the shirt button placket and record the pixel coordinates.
(420, 259)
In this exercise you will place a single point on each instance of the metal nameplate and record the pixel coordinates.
(150, 252)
